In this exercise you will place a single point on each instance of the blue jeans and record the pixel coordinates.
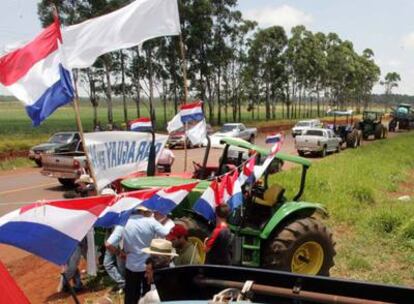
(115, 267)
(72, 272)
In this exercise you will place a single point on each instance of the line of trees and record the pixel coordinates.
(231, 64)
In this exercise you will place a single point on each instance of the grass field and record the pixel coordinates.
(374, 231)
(16, 132)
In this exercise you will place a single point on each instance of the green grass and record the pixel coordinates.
(373, 230)
(15, 163)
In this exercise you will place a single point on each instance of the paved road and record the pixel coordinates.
(28, 185)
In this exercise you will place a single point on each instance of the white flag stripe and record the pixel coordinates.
(124, 28)
(60, 219)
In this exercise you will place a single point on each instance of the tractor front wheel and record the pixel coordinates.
(352, 139)
(378, 131)
(303, 246)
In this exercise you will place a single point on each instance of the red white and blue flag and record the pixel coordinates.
(207, 203)
(52, 229)
(143, 124)
(247, 172)
(273, 138)
(121, 207)
(232, 190)
(191, 112)
(165, 200)
(259, 170)
(35, 74)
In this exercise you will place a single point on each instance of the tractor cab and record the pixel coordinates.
(402, 118)
(372, 116)
(262, 199)
(235, 152)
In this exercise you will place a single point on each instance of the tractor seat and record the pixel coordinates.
(271, 196)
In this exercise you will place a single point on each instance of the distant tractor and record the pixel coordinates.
(402, 117)
(371, 124)
(346, 130)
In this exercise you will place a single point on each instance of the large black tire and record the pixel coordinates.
(284, 248)
(323, 152)
(352, 139)
(67, 182)
(252, 139)
(301, 153)
(378, 131)
(38, 162)
(392, 125)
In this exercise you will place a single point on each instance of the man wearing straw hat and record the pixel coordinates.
(161, 253)
(138, 233)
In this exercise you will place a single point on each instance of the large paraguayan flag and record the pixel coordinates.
(165, 200)
(52, 229)
(191, 112)
(143, 124)
(35, 74)
(121, 206)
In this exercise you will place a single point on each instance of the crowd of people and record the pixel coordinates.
(149, 241)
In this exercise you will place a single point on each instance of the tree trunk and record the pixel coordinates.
(267, 102)
(151, 87)
(108, 92)
(123, 89)
(219, 96)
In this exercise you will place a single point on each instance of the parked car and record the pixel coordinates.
(62, 141)
(177, 138)
(235, 130)
(317, 140)
(304, 124)
(66, 166)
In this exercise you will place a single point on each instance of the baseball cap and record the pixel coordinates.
(177, 231)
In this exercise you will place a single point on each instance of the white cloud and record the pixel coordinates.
(408, 41)
(285, 15)
(394, 63)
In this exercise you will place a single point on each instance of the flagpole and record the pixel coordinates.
(184, 71)
(80, 129)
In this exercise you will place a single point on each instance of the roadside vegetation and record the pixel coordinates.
(15, 163)
(374, 231)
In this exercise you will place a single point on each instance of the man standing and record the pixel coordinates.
(113, 264)
(166, 159)
(138, 233)
(187, 252)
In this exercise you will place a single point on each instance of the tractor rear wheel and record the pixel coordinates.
(352, 139)
(303, 246)
(378, 131)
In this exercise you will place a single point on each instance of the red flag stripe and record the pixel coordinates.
(16, 64)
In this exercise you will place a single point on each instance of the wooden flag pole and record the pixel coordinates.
(184, 71)
(80, 129)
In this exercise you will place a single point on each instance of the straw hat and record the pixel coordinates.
(160, 247)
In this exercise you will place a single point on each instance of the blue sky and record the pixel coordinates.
(387, 27)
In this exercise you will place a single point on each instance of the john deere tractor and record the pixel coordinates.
(402, 117)
(371, 124)
(270, 230)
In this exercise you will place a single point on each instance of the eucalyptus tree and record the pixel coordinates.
(266, 61)
(390, 82)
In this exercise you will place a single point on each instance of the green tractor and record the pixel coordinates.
(402, 118)
(270, 230)
(371, 124)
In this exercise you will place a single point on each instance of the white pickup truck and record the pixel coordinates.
(235, 130)
(317, 140)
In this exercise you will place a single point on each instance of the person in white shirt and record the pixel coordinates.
(166, 159)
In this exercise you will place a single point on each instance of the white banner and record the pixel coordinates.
(116, 154)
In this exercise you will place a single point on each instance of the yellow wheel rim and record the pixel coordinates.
(200, 247)
(308, 258)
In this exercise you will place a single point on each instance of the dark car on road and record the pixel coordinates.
(59, 142)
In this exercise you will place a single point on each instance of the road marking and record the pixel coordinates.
(28, 188)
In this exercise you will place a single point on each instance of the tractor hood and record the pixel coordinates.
(162, 182)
